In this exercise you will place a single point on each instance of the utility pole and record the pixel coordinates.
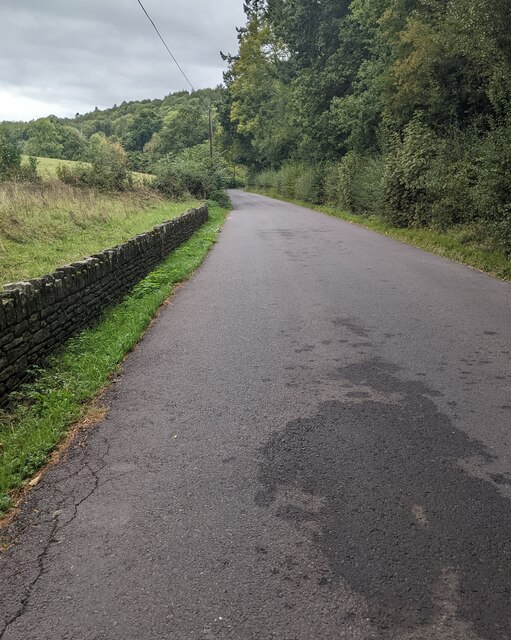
(210, 133)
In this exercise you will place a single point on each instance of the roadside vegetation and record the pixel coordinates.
(46, 409)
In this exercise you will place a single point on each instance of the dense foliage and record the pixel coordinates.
(400, 107)
(193, 172)
(168, 138)
(107, 170)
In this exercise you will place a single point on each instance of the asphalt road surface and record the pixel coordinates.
(311, 443)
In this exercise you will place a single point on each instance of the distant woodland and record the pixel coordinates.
(147, 130)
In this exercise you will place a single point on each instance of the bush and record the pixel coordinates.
(331, 184)
(167, 181)
(108, 168)
(348, 171)
(451, 179)
(219, 199)
(355, 183)
(238, 177)
(193, 171)
(264, 180)
(287, 178)
(292, 181)
(27, 171)
(493, 189)
(405, 188)
(309, 184)
(429, 180)
(11, 167)
(367, 188)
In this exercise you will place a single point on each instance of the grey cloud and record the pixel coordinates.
(76, 54)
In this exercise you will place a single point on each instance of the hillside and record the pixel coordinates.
(148, 130)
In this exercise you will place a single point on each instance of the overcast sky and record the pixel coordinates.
(66, 56)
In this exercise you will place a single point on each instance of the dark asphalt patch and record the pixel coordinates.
(401, 520)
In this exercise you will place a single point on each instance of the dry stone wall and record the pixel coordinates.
(38, 316)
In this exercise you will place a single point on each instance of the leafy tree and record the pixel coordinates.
(73, 142)
(11, 167)
(10, 158)
(259, 106)
(185, 127)
(108, 169)
(140, 129)
(44, 139)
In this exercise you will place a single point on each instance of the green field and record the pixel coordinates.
(48, 225)
(47, 169)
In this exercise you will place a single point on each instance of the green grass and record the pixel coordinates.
(45, 409)
(47, 169)
(461, 244)
(46, 226)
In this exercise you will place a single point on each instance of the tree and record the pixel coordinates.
(73, 143)
(10, 158)
(108, 168)
(141, 128)
(44, 139)
(185, 127)
(259, 99)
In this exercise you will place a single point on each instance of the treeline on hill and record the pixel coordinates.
(167, 138)
(147, 130)
(399, 108)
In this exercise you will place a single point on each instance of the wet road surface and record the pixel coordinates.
(311, 443)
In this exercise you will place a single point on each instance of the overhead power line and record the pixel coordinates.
(170, 52)
(208, 107)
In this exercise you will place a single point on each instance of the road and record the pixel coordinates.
(311, 443)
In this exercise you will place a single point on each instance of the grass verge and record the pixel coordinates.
(48, 407)
(45, 226)
(459, 243)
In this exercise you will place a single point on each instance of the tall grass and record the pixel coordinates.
(45, 225)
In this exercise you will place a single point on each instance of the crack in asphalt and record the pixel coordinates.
(55, 529)
(28, 592)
